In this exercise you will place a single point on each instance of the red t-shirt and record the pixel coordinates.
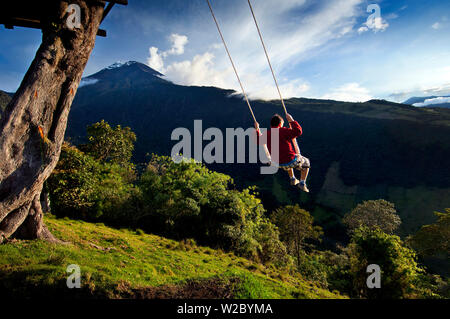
(286, 135)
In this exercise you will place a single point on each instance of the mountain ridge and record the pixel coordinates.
(359, 151)
(382, 149)
(376, 105)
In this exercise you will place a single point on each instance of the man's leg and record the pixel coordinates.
(290, 173)
(304, 174)
(304, 171)
(293, 179)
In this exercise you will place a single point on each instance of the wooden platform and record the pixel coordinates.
(32, 13)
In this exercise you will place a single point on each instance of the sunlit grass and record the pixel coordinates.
(110, 257)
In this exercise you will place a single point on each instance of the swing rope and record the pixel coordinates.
(231, 60)
(267, 56)
(294, 141)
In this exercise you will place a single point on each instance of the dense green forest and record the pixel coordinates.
(379, 187)
(359, 151)
(187, 202)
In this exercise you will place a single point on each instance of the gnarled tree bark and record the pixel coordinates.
(33, 125)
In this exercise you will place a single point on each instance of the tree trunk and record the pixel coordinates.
(33, 125)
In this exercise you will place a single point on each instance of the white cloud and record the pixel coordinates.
(156, 58)
(436, 26)
(199, 71)
(399, 97)
(178, 44)
(290, 39)
(363, 29)
(440, 84)
(392, 16)
(299, 39)
(295, 88)
(87, 81)
(350, 92)
(434, 101)
(443, 89)
(425, 80)
(377, 24)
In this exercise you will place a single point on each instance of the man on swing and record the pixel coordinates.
(288, 158)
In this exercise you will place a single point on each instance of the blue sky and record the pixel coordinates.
(319, 48)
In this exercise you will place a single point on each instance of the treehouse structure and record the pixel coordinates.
(34, 14)
(33, 124)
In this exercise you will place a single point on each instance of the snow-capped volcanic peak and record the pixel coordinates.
(120, 64)
(124, 72)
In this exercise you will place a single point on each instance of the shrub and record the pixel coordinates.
(296, 227)
(373, 213)
(271, 249)
(82, 187)
(399, 270)
(107, 144)
(433, 239)
(187, 200)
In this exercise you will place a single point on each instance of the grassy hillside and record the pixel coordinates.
(128, 264)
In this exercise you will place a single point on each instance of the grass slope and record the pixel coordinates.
(128, 264)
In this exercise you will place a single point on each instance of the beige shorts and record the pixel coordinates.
(299, 162)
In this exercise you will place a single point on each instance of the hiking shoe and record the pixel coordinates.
(294, 181)
(303, 187)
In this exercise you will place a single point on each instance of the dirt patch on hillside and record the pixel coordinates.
(213, 288)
